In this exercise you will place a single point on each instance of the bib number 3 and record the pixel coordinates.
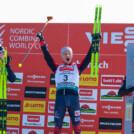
(65, 77)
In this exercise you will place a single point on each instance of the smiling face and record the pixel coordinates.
(67, 57)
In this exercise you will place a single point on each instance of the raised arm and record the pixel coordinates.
(51, 63)
(85, 62)
(10, 74)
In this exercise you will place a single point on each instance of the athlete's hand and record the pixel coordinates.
(40, 36)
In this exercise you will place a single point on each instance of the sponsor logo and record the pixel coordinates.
(109, 107)
(52, 79)
(12, 130)
(13, 119)
(36, 78)
(120, 38)
(112, 80)
(87, 122)
(13, 105)
(77, 113)
(2, 30)
(88, 94)
(113, 110)
(68, 68)
(110, 123)
(34, 106)
(77, 119)
(87, 80)
(35, 92)
(51, 107)
(103, 64)
(32, 131)
(65, 124)
(52, 93)
(83, 120)
(33, 120)
(13, 92)
(88, 108)
(110, 95)
(19, 79)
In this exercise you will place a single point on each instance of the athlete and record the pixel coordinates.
(11, 77)
(10, 74)
(67, 84)
(123, 91)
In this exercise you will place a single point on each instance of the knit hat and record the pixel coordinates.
(65, 49)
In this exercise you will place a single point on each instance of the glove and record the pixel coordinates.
(9, 58)
(40, 36)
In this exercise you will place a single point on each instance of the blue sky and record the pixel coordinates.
(65, 11)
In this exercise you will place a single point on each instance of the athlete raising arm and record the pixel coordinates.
(67, 84)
